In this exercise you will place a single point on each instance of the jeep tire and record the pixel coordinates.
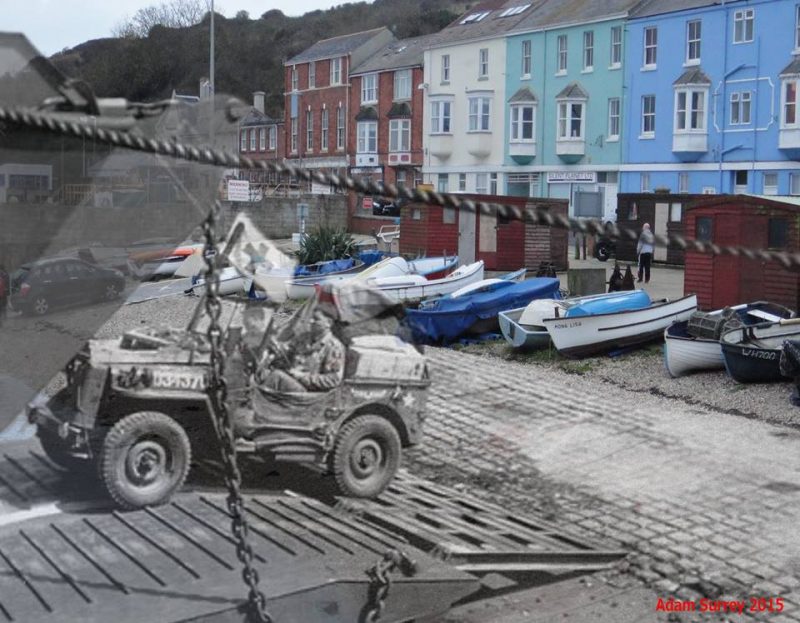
(366, 456)
(144, 459)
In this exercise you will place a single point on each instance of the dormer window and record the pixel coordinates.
(475, 17)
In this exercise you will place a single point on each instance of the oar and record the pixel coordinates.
(789, 321)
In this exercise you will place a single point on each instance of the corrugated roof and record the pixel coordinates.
(397, 55)
(335, 46)
(573, 91)
(555, 12)
(793, 68)
(657, 7)
(693, 75)
(523, 95)
(491, 24)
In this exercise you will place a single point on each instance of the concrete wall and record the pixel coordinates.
(30, 231)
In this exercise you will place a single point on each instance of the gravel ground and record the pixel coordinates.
(643, 371)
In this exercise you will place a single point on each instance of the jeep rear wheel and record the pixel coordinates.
(144, 459)
(366, 456)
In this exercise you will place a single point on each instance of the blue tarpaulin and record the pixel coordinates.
(448, 318)
(323, 268)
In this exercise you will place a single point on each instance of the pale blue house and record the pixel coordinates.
(710, 100)
(564, 82)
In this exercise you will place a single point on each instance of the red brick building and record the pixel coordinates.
(261, 137)
(317, 96)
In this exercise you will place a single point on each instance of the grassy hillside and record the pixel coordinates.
(250, 50)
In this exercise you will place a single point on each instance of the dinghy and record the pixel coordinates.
(524, 327)
(752, 353)
(685, 353)
(414, 287)
(447, 318)
(583, 329)
(429, 268)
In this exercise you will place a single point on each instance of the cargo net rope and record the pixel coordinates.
(58, 124)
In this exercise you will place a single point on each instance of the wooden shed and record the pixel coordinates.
(749, 221)
(663, 211)
(503, 244)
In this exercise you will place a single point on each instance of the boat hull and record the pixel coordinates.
(684, 354)
(753, 353)
(584, 336)
(518, 335)
(463, 276)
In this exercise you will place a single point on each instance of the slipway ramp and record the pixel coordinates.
(66, 555)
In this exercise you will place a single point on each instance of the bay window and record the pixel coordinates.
(440, 117)
(523, 122)
(479, 114)
(570, 120)
(690, 110)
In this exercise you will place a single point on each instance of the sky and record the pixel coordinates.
(52, 25)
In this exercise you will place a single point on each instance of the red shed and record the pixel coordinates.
(749, 221)
(503, 244)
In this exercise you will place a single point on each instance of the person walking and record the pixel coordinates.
(644, 249)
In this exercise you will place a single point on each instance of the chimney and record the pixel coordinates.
(258, 101)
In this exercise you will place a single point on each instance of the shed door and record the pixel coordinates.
(754, 235)
(660, 228)
(466, 237)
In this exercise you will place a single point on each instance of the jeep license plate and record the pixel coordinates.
(176, 380)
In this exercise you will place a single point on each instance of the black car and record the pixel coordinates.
(59, 282)
(382, 206)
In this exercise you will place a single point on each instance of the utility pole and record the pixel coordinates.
(211, 75)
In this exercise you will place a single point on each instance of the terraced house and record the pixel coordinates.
(464, 126)
(317, 98)
(563, 103)
(711, 98)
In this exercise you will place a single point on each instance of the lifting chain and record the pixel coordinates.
(381, 581)
(223, 425)
(532, 213)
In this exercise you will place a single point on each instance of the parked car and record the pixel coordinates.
(383, 206)
(38, 287)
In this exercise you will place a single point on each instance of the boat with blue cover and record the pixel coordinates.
(524, 327)
(447, 318)
(593, 327)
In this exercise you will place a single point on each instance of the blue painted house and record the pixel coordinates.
(710, 100)
(565, 65)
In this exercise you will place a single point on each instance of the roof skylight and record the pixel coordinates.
(475, 17)
(514, 10)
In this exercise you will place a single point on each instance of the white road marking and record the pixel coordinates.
(6, 519)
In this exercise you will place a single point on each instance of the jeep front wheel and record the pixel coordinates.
(366, 456)
(144, 459)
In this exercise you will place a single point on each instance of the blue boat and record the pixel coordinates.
(445, 319)
(524, 327)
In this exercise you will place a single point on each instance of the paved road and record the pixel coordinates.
(709, 502)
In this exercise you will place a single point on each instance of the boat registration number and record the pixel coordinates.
(177, 380)
(759, 354)
(568, 325)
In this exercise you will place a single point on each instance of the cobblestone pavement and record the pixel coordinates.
(707, 502)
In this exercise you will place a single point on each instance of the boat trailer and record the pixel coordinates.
(66, 556)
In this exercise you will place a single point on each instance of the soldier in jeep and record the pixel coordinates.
(313, 362)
